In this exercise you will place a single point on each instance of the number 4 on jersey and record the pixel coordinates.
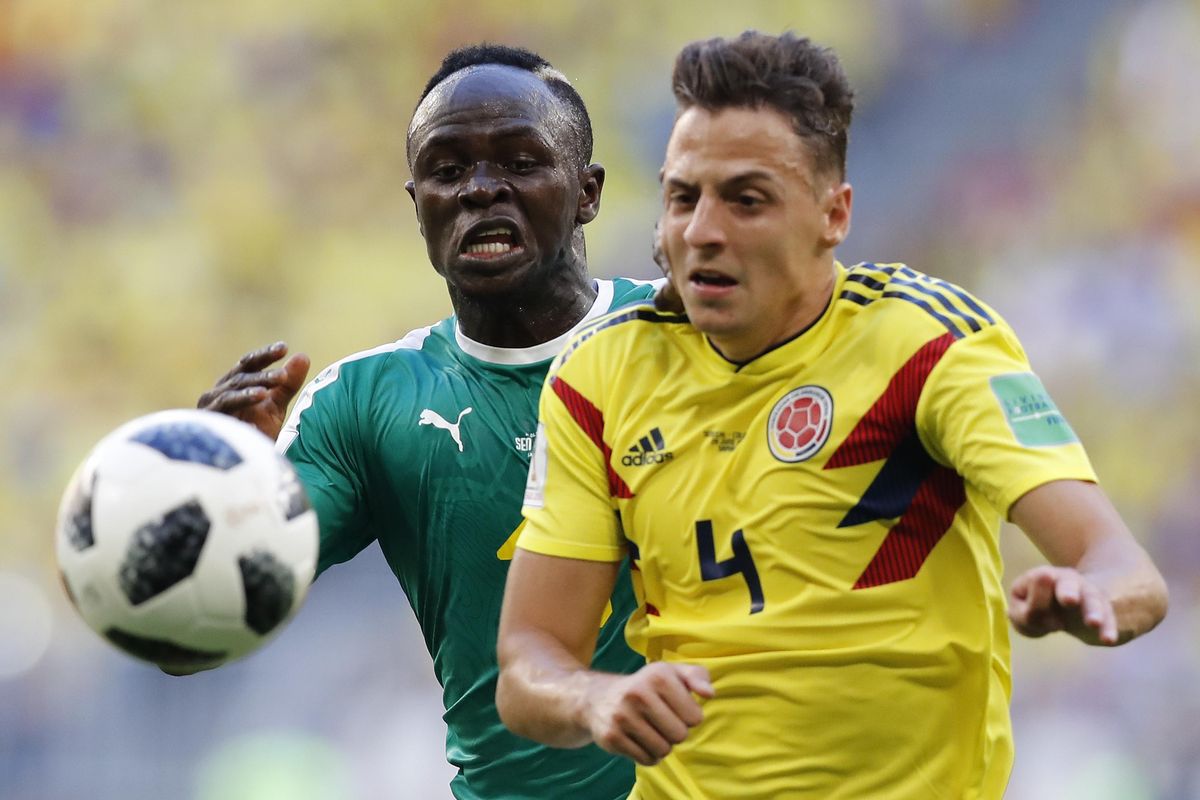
(740, 562)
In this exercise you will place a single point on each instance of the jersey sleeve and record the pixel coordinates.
(569, 506)
(321, 439)
(984, 412)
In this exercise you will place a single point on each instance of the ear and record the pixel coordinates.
(838, 204)
(411, 188)
(591, 184)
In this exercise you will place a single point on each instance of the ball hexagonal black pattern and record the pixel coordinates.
(164, 552)
(78, 527)
(187, 441)
(159, 651)
(269, 588)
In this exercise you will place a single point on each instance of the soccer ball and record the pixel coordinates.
(185, 540)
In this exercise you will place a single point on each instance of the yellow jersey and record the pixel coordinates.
(818, 527)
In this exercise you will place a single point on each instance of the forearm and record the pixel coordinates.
(543, 689)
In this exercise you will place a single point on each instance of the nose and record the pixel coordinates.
(705, 229)
(483, 188)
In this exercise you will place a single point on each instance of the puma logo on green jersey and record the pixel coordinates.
(435, 419)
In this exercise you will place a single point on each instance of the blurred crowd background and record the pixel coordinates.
(181, 182)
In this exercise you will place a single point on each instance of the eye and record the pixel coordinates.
(521, 165)
(749, 200)
(446, 171)
(680, 199)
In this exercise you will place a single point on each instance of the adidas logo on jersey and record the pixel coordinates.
(651, 449)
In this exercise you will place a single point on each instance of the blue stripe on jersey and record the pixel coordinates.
(928, 309)
(642, 313)
(969, 301)
(891, 493)
(865, 280)
(911, 286)
(941, 298)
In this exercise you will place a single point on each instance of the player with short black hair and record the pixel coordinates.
(518, 57)
(424, 443)
(808, 471)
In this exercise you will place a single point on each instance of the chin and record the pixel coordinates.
(481, 283)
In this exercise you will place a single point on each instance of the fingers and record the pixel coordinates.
(255, 360)
(645, 714)
(1098, 614)
(250, 383)
(1048, 599)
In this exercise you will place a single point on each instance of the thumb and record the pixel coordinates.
(296, 368)
(695, 677)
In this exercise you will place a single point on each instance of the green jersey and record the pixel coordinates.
(424, 445)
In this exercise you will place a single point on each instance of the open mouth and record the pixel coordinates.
(709, 278)
(493, 241)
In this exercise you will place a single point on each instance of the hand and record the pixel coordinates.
(643, 715)
(1047, 599)
(666, 298)
(257, 395)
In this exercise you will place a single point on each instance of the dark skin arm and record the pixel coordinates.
(255, 394)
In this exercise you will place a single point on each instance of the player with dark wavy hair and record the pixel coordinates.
(424, 443)
(808, 470)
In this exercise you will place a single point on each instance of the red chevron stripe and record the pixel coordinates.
(591, 420)
(890, 419)
(913, 537)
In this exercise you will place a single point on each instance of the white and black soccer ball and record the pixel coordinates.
(185, 540)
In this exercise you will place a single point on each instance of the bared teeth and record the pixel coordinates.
(489, 248)
(493, 241)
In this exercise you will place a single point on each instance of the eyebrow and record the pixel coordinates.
(499, 133)
(733, 180)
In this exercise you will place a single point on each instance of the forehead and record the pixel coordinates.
(486, 98)
(715, 145)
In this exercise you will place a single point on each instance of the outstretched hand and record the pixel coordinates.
(643, 715)
(258, 395)
(1047, 599)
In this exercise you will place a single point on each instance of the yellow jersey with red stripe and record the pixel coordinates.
(818, 527)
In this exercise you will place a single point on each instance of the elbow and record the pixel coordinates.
(505, 704)
(1150, 607)
(1160, 600)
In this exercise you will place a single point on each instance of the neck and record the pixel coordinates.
(528, 316)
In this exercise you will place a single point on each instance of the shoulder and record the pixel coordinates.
(607, 338)
(900, 300)
(414, 348)
(347, 392)
(627, 291)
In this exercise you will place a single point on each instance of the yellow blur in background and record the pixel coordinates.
(182, 182)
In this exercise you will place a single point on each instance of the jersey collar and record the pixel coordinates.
(517, 356)
(800, 349)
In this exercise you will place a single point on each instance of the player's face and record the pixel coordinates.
(748, 227)
(498, 189)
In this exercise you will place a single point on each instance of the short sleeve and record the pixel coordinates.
(984, 412)
(321, 439)
(570, 509)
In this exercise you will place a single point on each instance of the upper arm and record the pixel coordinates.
(986, 414)
(322, 440)
(563, 598)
